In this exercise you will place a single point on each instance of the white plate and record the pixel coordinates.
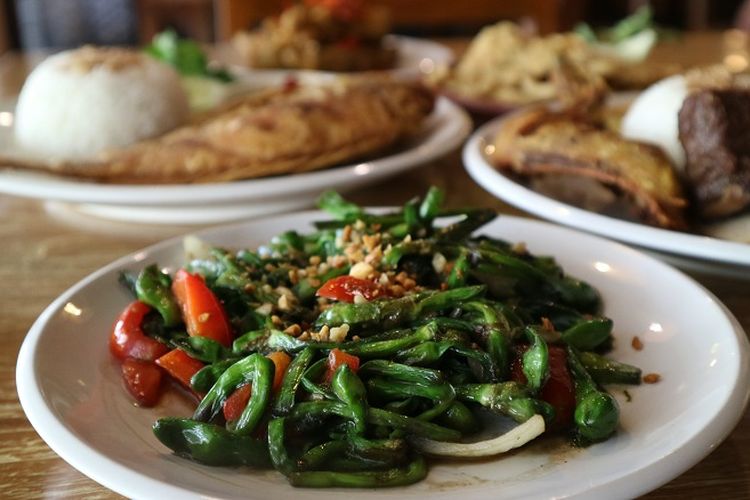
(444, 130)
(706, 248)
(416, 57)
(70, 389)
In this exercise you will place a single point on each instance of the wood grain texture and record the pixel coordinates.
(42, 254)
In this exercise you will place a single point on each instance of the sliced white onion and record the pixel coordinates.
(514, 438)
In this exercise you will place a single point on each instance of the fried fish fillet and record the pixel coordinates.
(537, 143)
(298, 129)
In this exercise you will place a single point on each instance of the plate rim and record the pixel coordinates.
(504, 188)
(59, 438)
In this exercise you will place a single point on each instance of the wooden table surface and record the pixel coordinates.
(44, 250)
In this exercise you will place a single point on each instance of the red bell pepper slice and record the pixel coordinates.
(235, 404)
(180, 366)
(344, 288)
(203, 313)
(336, 358)
(281, 362)
(128, 340)
(558, 390)
(142, 380)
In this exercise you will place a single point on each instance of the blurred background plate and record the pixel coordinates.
(416, 57)
(444, 130)
(715, 255)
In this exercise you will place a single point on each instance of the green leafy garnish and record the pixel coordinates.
(185, 55)
(638, 21)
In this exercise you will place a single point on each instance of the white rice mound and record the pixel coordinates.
(80, 102)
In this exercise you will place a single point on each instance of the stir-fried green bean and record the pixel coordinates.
(254, 369)
(388, 314)
(351, 391)
(210, 444)
(597, 412)
(609, 371)
(292, 379)
(588, 334)
(375, 330)
(535, 360)
(153, 288)
(507, 398)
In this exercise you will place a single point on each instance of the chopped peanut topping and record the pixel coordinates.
(375, 256)
(284, 303)
(519, 248)
(294, 276)
(371, 241)
(405, 280)
(637, 344)
(346, 233)
(361, 270)
(264, 309)
(438, 262)
(338, 333)
(547, 325)
(322, 335)
(293, 330)
(337, 261)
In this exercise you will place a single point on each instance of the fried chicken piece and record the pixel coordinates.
(297, 130)
(538, 144)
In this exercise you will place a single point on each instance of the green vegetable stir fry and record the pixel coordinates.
(343, 357)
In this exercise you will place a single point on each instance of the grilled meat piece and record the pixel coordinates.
(294, 130)
(540, 146)
(714, 129)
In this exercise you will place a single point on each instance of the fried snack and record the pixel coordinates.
(544, 147)
(292, 130)
(506, 64)
(316, 37)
